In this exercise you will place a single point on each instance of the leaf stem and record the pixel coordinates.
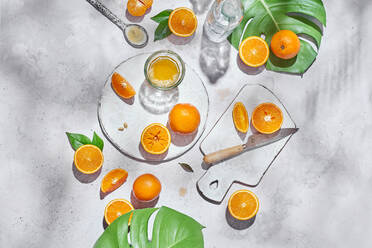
(270, 13)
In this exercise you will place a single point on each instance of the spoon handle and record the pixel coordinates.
(106, 12)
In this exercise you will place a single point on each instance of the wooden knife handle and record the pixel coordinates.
(222, 154)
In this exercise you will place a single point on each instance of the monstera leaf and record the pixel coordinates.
(170, 229)
(304, 17)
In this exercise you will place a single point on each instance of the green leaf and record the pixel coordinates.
(186, 167)
(170, 229)
(164, 15)
(269, 16)
(77, 140)
(162, 31)
(97, 141)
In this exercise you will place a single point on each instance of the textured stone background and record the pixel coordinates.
(54, 58)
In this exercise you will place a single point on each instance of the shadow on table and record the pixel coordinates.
(85, 178)
(178, 40)
(238, 224)
(248, 69)
(179, 139)
(214, 58)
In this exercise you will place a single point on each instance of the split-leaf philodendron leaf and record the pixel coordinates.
(170, 229)
(266, 17)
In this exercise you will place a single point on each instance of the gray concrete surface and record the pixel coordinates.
(54, 58)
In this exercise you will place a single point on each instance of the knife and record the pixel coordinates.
(254, 141)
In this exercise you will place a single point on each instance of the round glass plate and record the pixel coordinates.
(149, 105)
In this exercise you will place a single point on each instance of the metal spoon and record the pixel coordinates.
(123, 26)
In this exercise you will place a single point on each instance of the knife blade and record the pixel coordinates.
(254, 141)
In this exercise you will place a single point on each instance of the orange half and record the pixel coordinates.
(267, 118)
(182, 22)
(243, 204)
(121, 86)
(117, 208)
(240, 117)
(155, 138)
(113, 180)
(137, 8)
(88, 159)
(254, 51)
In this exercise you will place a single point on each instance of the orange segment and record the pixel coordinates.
(136, 8)
(146, 187)
(155, 138)
(243, 204)
(254, 51)
(121, 86)
(267, 118)
(184, 118)
(240, 117)
(113, 180)
(182, 22)
(88, 159)
(116, 208)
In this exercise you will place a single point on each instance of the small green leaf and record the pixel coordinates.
(162, 31)
(77, 140)
(97, 141)
(186, 167)
(164, 15)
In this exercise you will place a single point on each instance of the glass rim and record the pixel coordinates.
(182, 69)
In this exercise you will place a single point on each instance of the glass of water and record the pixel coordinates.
(223, 17)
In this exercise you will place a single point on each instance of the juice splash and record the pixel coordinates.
(164, 71)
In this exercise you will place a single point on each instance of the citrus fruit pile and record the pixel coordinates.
(266, 118)
(254, 51)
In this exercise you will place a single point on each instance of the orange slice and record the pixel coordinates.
(155, 138)
(88, 159)
(240, 117)
(267, 118)
(116, 208)
(182, 22)
(146, 187)
(136, 7)
(254, 51)
(121, 86)
(113, 180)
(243, 204)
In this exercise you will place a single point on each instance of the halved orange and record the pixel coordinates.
(121, 86)
(155, 138)
(267, 118)
(182, 22)
(136, 7)
(113, 180)
(243, 204)
(116, 208)
(240, 117)
(88, 159)
(254, 51)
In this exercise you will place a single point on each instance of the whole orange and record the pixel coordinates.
(146, 187)
(285, 44)
(184, 118)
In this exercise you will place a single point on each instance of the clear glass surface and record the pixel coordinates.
(223, 17)
(149, 105)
